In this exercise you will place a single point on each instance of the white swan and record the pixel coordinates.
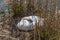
(28, 23)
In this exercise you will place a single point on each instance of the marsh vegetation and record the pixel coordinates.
(22, 8)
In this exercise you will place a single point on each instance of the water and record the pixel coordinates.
(3, 7)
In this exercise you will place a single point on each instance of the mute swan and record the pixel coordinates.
(28, 23)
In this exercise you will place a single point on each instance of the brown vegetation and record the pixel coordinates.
(50, 31)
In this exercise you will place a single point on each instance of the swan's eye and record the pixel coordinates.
(30, 20)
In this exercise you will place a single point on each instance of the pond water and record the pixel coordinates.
(3, 7)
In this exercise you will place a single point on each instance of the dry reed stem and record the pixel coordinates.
(8, 37)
